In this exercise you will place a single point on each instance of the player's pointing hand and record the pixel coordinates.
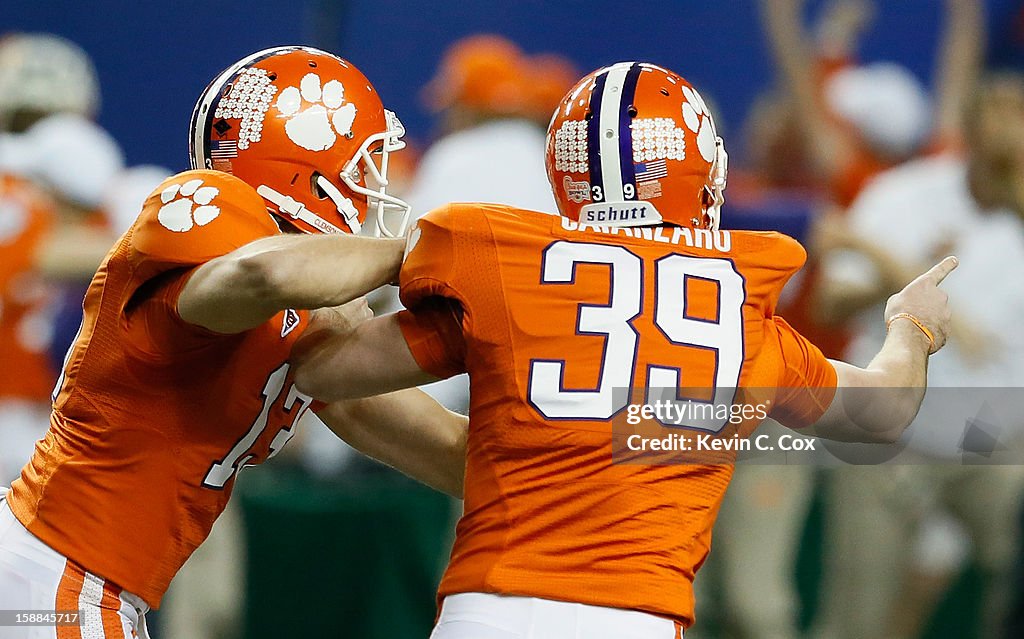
(924, 304)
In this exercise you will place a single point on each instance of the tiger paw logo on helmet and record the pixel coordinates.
(698, 120)
(180, 213)
(316, 115)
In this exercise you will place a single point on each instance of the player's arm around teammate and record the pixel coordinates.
(245, 288)
(248, 286)
(407, 430)
(873, 404)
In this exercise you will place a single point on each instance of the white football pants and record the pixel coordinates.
(475, 615)
(35, 579)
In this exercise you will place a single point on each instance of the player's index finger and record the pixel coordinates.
(939, 272)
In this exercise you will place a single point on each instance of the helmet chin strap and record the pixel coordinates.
(716, 184)
(342, 203)
(290, 207)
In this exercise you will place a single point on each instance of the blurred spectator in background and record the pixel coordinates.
(53, 165)
(973, 207)
(812, 145)
(493, 103)
(851, 121)
(40, 75)
(26, 378)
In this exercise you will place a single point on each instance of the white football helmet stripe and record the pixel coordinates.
(608, 127)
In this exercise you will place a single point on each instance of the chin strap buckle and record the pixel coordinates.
(284, 203)
(342, 203)
(296, 210)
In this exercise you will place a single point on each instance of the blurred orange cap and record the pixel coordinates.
(482, 72)
(550, 78)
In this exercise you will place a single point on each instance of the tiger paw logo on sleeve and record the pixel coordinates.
(317, 126)
(187, 205)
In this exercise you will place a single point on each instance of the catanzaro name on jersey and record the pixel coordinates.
(694, 238)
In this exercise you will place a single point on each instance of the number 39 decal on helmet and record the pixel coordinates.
(634, 144)
(308, 131)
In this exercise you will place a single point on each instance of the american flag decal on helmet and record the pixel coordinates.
(653, 170)
(223, 149)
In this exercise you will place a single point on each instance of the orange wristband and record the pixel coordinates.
(918, 323)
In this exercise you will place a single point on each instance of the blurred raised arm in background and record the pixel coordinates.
(838, 102)
(818, 136)
(957, 69)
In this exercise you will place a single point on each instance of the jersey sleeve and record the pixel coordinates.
(445, 281)
(153, 326)
(433, 332)
(807, 380)
(194, 217)
(187, 221)
(430, 262)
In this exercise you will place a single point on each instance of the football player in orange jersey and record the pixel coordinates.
(180, 374)
(633, 293)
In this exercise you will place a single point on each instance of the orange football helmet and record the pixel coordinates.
(306, 130)
(633, 144)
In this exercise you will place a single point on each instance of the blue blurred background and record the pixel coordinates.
(326, 529)
(154, 58)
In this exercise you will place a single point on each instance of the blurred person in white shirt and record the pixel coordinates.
(973, 206)
(819, 135)
(492, 144)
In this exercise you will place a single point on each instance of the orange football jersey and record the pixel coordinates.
(562, 326)
(26, 217)
(153, 416)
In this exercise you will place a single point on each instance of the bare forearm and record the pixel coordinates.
(875, 404)
(902, 361)
(306, 272)
(371, 359)
(248, 286)
(782, 22)
(408, 431)
(899, 372)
